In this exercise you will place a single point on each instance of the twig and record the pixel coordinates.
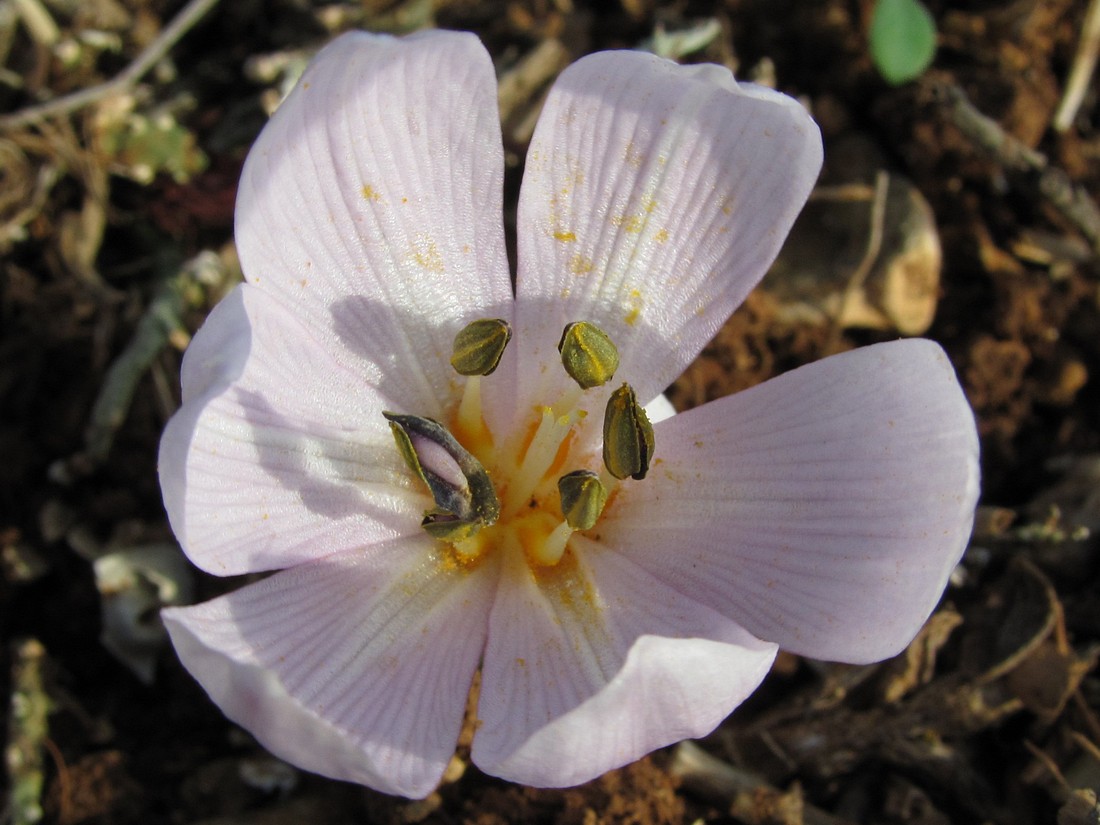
(537, 68)
(42, 28)
(64, 781)
(720, 782)
(1051, 182)
(986, 132)
(162, 318)
(874, 239)
(1084, 64)
(1050, 766)
(27, 731)
(188, 16)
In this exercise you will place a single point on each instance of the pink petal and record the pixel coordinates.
(592, 666)
(356, 667)
(655, 196)
(279, 454)
(371, 205)
(823, 510)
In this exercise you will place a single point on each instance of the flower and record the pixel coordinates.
(821, 511)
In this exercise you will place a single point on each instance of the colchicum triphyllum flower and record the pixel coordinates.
(451, 476)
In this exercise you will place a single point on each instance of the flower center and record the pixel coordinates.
(530, 490)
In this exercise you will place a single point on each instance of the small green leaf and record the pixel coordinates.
(582, 498)
(479, 346)
(142, 145)
(902, 39)
(627, 435)
(587, 354)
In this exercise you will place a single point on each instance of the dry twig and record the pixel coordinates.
(1053, 184)
(1084, 64)
(188, 16)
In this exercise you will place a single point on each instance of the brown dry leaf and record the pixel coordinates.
(1020, 611)
(1076, 494)
(1080, 809)
(861, 255)
(1025, 642)
(917, 665)
(767, 806)
(1047, 679)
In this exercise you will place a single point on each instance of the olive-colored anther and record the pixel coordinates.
(587, 354)
(462, 489)
(582, 498)
(447, 527)
(479, 346)
(627, 435)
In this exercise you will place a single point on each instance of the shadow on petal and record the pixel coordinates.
(329, 471)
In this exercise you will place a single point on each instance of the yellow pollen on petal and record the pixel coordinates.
(565, 237)
(580, 265)
(572, 590)
(426, 254)
(632, 156)
(635, 311)
(631, 224)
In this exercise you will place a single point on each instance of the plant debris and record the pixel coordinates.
(960, 206)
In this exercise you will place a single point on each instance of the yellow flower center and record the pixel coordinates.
(525, 469)
(527, 491)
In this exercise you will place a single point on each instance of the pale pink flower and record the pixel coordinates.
(821, 512)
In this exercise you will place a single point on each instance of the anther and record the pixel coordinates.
(463, 492)
(587, 354)
(582, 498)
(479, 346)
(627, 435)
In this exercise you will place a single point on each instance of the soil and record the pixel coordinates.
(991, 715)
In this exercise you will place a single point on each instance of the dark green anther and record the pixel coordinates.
(462, 507)
(582, 498)
(445, 526)
(479, 346)
(627, 435)
(587, 354)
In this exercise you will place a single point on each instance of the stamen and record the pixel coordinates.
(568, 400)
(469, 423)
(627, 435)
(588, 354)
(479, 346)
(470, 548)
(446, 526)
(552, 548)
(465, 500)
(468, 515)
(539, 457)
(583, 497)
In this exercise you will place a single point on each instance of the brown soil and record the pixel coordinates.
(990, 716)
